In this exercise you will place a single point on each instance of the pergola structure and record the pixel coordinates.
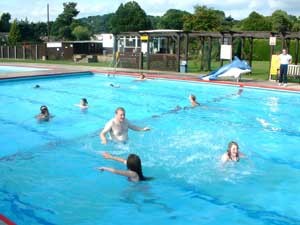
(177, 46)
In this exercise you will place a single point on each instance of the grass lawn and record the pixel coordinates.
(260, 69)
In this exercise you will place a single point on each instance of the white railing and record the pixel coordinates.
(293, 71)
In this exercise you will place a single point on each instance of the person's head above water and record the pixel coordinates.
(44, 110)
(193, 97)
(120, 114)
(134, 164)
(193, 100)
(37, 86)
(84, 102)
(233, 151)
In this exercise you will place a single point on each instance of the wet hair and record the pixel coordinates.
(85, 102)
(193, 97)
(44, 108)
(134, 164)
(119, 109)
(37, 86)
(230, 144)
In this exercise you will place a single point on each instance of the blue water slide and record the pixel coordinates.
(236, 63)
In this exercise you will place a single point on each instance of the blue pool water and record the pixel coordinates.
(48, 173)
(10, 69)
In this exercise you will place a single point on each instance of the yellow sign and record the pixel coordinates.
(275, 64)
(144, 38)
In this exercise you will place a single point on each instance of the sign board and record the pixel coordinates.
(144, 38)
(272, 41)
(275, 65)
(226, 52)
(107, 40)
(54, 45)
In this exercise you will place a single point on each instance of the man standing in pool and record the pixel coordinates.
(118, 127)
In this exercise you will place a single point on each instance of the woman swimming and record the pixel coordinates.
(134, 167)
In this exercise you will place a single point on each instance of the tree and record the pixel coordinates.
(280, 21)
(204, 19)
(81, 33)
(97, 24)
(14, 35)
(62, 25)
(255, 22)
(154, 20)
(172, 19)
(4, 22)
(129, 17)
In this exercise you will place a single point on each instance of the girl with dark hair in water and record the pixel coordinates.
(44, 114)
(134, 166)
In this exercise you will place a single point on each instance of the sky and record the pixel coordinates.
(36, 10)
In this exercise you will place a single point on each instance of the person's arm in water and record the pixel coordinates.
(103, 133)
(127, 173)
(115, 158)
(137, 128)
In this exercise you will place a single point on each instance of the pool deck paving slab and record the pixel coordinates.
(58, 69)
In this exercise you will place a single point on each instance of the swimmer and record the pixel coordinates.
(134, 167)
(37, 86)
(232, 154)
(141, 77)
(118, 127)
(114, 86)
(193, 101)
(44, 114)
(83, 104)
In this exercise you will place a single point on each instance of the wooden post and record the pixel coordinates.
(209, 53)
(36, 52)
(141, 61)
(202, 54)
(178, 52)
(251, 51)
(15, 50)
(8, 49)
(222, 42)
(283, 44)
(297, 51)
(231, 43)
(115, 49)
(242, 47)
(24, 52)
(148, 52)
(186, 52)
(2, 52)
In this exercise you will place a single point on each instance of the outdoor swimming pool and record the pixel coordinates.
(10, 69)
(48, 173)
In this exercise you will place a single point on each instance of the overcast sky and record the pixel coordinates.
(36, 10)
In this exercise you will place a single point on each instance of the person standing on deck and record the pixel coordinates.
(285, 60)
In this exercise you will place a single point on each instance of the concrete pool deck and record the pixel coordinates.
(57, 69)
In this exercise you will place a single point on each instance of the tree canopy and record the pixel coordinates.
(204, 19)
(129, 17)
(14, 35)
(173, 19)
(62, 27)
(256, 22)
(4, 22)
